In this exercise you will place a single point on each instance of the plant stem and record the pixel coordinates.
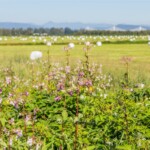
(68, 55)
(76, 123)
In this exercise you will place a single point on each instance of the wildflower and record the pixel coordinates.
(18, 132)
(0, 91)
(27, 118)
(10, 141)
(11, 121)
(35, 55)
(70, 92)
(66, 48)
(67, 69)
(60, 86)
(15, 103)
(105, 96)
(88, 83)
(38, 145)
(10, 95)
(58, 98)
(82, 97)
(140, 85)
(81, 83)
(25, 93)
(90, 89)
(126, 59)
(8, 80)
(81, 74)
(30, 141)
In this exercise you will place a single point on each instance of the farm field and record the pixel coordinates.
(109, 55)
(82, 96)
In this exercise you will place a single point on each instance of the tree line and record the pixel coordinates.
(65, 31)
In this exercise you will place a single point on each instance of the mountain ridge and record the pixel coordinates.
(73, 26)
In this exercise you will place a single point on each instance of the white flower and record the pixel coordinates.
(71, 45)
(30, 141)
(149, 43)
(82, 97)
(10, 141)
(38, 146)
(99, 43)
(35, 55)
(105, 96)
(141, 85)
(8, 80)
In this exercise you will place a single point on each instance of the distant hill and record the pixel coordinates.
(130, 27)
(10, 25)
(76, 26)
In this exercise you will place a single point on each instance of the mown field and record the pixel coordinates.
(86, 97)
(109, 55)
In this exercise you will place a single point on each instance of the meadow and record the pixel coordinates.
(82, 96)
(109, 55)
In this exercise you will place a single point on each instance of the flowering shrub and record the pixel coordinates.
(65, 107)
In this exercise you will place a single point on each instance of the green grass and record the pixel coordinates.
(109, 55)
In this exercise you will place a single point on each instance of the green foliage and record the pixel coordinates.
(65, 107)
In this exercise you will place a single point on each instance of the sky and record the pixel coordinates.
(85, 11)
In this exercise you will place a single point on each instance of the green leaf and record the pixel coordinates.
(3, 121)
(89, 148)
(64, 115)
(2, 143)
(124, 147)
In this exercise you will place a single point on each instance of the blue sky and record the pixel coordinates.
(86, 11)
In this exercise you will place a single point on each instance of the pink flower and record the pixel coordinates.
(81, 83)
(27, 118)
(8, 80)
(18, 132)
(70, 92)
(81, 74)
(0, 91)
(58, 98)
(15, 103)
(67, 69)
(10, 95)
(88, 83)
(11, 121)
(60, 86)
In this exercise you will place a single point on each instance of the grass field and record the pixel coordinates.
(53, 103)
(109, 55)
